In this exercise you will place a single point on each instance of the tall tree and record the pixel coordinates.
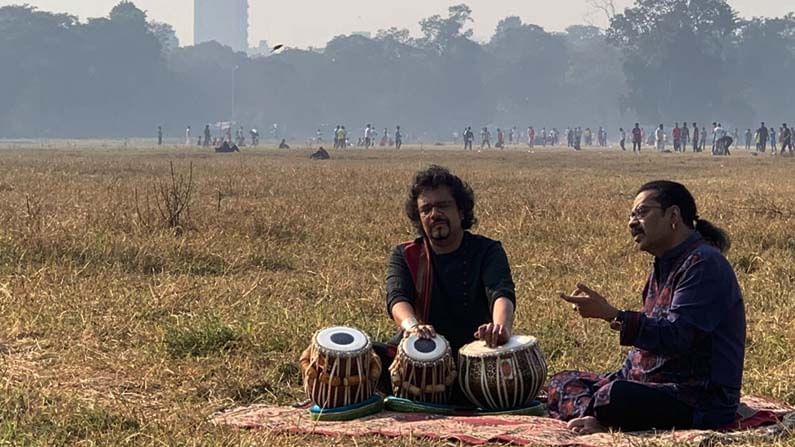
(166, 35)
(594, 79)
(127, 11)
(763, 65)
(675, 57)
(440, 33)
(527, 73)
(38, 82)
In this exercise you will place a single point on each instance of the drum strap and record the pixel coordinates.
(418, 258)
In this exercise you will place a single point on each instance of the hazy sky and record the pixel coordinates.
(302, 23)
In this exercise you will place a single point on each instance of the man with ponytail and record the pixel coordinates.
(685, 366)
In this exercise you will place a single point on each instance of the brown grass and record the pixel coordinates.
(120, 330)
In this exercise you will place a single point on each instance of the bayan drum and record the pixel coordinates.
(340, 367)
(502, 378)
(423, 370)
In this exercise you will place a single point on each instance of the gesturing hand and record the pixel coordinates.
(590, 304)
(493, 334)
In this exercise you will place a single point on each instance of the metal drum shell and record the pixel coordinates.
(429, 381)
(334, 379)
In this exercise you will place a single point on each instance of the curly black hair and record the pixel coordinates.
(433, 177)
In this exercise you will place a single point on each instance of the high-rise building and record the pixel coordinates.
(224, 21)
(263, 49)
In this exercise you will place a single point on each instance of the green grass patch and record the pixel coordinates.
(201, 338)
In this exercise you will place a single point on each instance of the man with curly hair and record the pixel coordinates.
(449, 280)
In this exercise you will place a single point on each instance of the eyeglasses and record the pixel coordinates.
(642, 211)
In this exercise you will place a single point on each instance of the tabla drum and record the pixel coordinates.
(423, 370)
(340, 367)
(502, 378)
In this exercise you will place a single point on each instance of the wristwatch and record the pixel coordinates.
(618, 320)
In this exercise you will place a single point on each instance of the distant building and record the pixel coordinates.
(263, 49)
(224, 21)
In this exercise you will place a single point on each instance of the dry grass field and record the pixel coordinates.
(116, 329)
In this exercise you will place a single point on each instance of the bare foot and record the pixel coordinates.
(586, 425)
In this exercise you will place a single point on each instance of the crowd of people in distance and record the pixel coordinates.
(680, 138)
(764, 135)
(223, 141)
(367, 140)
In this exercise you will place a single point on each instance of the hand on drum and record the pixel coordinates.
(493, 334)
(590, 304)
(422, 331)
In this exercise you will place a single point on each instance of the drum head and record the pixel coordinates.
(479, 348)
(425, 349)
(341, 339)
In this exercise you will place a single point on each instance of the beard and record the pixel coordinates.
(439, 231)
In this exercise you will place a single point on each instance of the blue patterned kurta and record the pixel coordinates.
(688, 341)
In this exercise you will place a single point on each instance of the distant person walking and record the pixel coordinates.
(159, 135)
(659, 138)
(337, 137)
(685, 136)
(717, 133)
(773, 146)
(188, 141)
(485, 138)
(695, 137)
(398, 138)
(786, 139)
(623, 136)
(763, 136)
(469, 138)
(368, 137)
(677, 134)
(207, 136)
(637, 138)
(384, 138)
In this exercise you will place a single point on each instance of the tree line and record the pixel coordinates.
(659, 61)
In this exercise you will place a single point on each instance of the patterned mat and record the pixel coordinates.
(518, 430)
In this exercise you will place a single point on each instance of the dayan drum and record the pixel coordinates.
(423, 370)
(506, 377)
(340, 367)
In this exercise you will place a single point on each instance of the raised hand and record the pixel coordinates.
(590, 304)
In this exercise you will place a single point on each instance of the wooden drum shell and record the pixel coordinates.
(503, 381)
